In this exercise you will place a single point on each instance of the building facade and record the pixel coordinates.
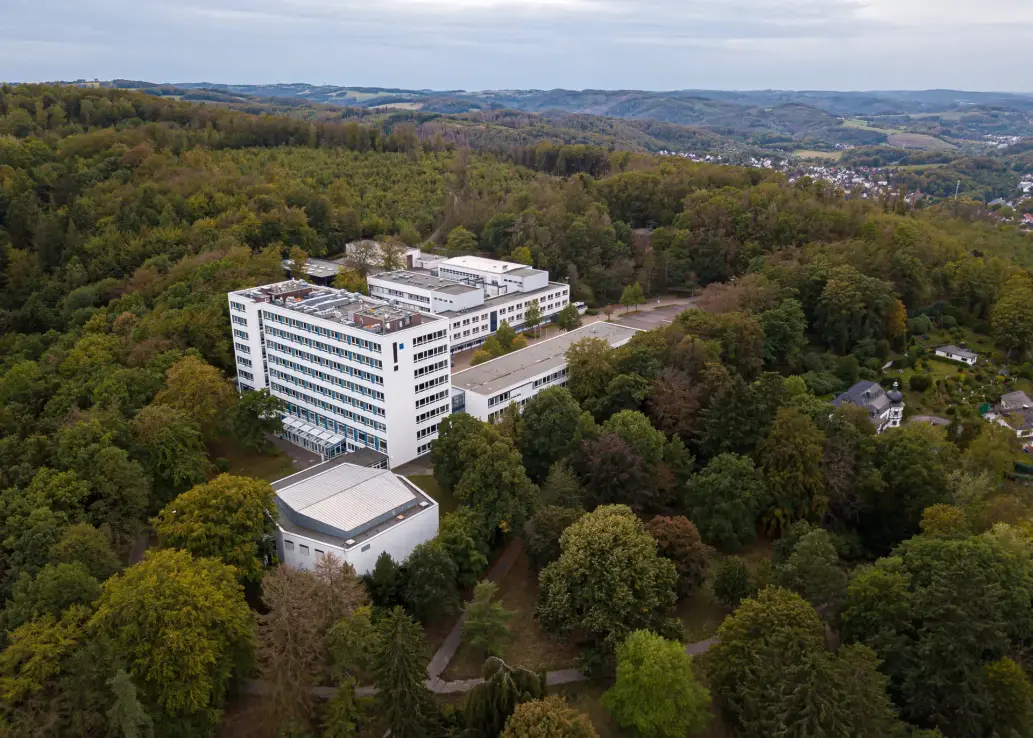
(354, 372)
(475, 295)
(486, 390)
(354, 512)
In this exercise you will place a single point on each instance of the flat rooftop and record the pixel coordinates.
(500, 374)
(480, 264)
(336, 502)
(334, 305)
(426, 281)
(499, 300)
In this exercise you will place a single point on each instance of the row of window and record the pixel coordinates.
(343, 412)
(433, 413)
(431, 398)
(436, 336)
(429, 353)
(325, 347)
(242, 348)
(376, 290)
(328, 378)
(243, 362)
(367, 439)
(367, 406)
(246, 375)
(237, 306)
(493, 401)
(239, 320)
(351, 371)
(430, 368)
(431, 383)
(240, 334)
(321, 331)
(557, 375)
(492, 417)
(422, 449)
(430, 430)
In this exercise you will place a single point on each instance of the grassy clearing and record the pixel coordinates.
(445, 499)
(813, 154)
(529, 646)
(862, 124)
(269, 466)
(918, 141)
(701, 613)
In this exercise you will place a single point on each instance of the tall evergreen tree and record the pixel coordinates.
(400, 672)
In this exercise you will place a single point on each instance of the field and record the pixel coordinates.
(863, 125)
(398, 106)
(918, 141)
(811, 154)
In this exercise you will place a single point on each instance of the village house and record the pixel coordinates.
(1015, 412)
(955, 353)
(885, 409)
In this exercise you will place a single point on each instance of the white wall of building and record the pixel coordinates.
(248, 344)
(399, 541)
(471, 328)
(381, 392)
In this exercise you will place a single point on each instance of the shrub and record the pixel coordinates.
(919, 382)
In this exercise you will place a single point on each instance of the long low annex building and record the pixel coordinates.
(354, 512)
(486, 390)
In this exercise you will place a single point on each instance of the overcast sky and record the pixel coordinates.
(495, 44)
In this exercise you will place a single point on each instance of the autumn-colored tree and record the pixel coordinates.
(230, 518)
(548, 718)
(199, 390)
(678, 540)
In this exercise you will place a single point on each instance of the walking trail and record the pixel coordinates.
(447, 651)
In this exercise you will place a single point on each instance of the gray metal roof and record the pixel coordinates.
(1016, 401)
(344, 499)
(427, 281)
(958, 351)
(868, 395)
(500, 300)
(512, 369)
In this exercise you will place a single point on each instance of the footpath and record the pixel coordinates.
(447, 651)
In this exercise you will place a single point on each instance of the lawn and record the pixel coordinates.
(813, 154)
(919, 141)
(447, 501)
(529, 646)
(701, 613)
(269, 466)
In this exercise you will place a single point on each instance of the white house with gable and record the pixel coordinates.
(956, 353)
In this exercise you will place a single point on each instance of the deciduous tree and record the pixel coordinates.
(542, 532)
(548, 718)
(608, 580)
(791, 457)
(256, 416)
(230, 518)
(199, 390)
(678, 540)
(496, 485)
(430, 582)
(724, 499)
(551, 430)
(183, 631)
(657, 694)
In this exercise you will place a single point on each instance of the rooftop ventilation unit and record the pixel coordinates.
(424, 504)
(350, 542)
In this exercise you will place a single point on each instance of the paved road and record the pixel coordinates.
(930, 419)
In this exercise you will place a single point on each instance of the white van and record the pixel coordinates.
(582, 308)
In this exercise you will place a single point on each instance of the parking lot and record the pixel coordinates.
(647, 319)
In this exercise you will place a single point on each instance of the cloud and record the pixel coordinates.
(477, 44)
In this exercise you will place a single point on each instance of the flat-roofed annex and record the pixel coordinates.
(427, 281)
(512, 369)
(345, 500)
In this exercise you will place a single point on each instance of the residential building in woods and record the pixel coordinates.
(1015, 412)
(956, 353)
(486, 390)
(885, 409)
(354, 372)
(353, 511)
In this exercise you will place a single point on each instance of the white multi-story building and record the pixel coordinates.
(354, 372)
(475, 295)
(486, 390)
(354, 512)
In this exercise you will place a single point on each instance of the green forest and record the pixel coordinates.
(861, 585)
